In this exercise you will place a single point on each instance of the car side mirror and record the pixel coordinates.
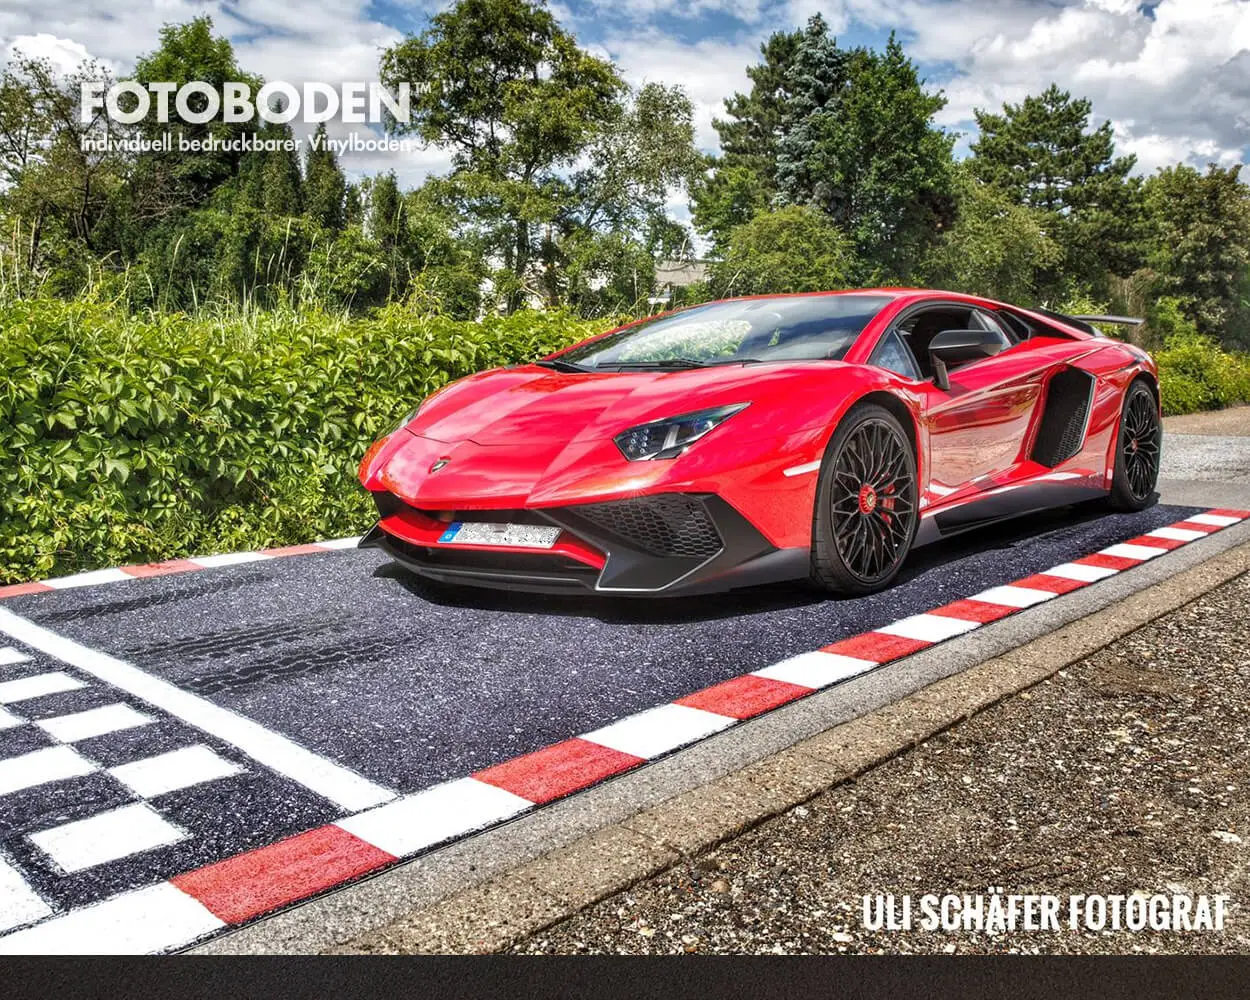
(952, 348)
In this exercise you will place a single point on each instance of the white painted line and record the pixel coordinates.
(658, 730)
(1219, 520)
(436, 814)
(93, 722)
(155, 918)
(168, 772)
(228, 559)
(19, 903)
(816, 670)
(928, 628)
(89, 579)
(42, 766)
(942, 491)
(107, 836)
(9, 655)
(1177, 534)
(1012, 596)
(1126, 551)
(10, 721)
(25, 688)
(801, 470)
(340, 543)
(345, 788)
(1079, 571)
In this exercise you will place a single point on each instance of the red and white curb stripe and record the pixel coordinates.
(122, 574)
(190, 906)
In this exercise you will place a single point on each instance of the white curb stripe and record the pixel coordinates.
(347, 789)
(1219, 520)
(800, 470)
(18, 902)
(816, 670)
(340, 543)
(928, 628)
(658, 730)
(168, 772)
(88, 579)
(152, 919)
(42, 766)
(8, 720)
(429, 817)
(1138, 552)
(93, 722)
(107, 836)
(25, 688)
(1012, 596)
(9, 656)
(228, 559)
(1177, 534)
(1080, 572)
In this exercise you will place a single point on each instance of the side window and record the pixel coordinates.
(1018, 329)
(893, 355)
(991, 323)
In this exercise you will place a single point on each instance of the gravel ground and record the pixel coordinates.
(1125, 773)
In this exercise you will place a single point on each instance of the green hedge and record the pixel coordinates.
(1195, 373)
(128, 439)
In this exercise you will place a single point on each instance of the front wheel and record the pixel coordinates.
(866, 509)
(1137, 450)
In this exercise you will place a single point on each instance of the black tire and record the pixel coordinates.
(1137, 450)
(866, 503)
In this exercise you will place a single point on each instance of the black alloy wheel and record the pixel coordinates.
(866, 504)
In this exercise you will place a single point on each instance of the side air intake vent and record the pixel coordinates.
(1069, 396)
(671, 524)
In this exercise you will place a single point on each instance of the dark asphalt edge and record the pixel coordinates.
(466, 874)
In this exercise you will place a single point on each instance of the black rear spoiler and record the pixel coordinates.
(1086, 323)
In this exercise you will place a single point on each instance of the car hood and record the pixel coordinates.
(531, 405)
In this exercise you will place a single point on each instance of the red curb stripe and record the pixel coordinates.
(877, 646)
(160, 568)
(258, 881)
(294, 550)
(744, 697)
(1108, 562)
(1227, 512)
(1157, 542)
(1206, 529)
(18, 589)
(974, 611)
(1053, 584)
(556, 771)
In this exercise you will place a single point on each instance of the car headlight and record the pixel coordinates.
(668, 438)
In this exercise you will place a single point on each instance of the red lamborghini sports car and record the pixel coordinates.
(754, 440)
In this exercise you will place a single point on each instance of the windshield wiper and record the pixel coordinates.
(556, 365)
(673, 363)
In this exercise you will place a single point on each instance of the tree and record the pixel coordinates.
(790, 249)
(743, 179)
(325, 187)
(1201, 242)
(996, 247)
(858, 143)
(1044, 154)
(515, 99)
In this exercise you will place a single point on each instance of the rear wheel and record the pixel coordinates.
(1137, 450)
(866, 510)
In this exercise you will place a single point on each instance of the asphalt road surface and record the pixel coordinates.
(164, 724)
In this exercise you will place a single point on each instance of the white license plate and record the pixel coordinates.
(522, 536)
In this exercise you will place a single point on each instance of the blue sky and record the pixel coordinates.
(1173, 76)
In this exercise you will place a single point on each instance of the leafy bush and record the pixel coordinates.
(127, 438)
(1196, 374)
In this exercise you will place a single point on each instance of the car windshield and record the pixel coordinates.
(792, 328)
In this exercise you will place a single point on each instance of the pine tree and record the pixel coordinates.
(325, 187)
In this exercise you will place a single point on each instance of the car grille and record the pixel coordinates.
(673, 524)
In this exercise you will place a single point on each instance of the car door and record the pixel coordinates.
(977, 428)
